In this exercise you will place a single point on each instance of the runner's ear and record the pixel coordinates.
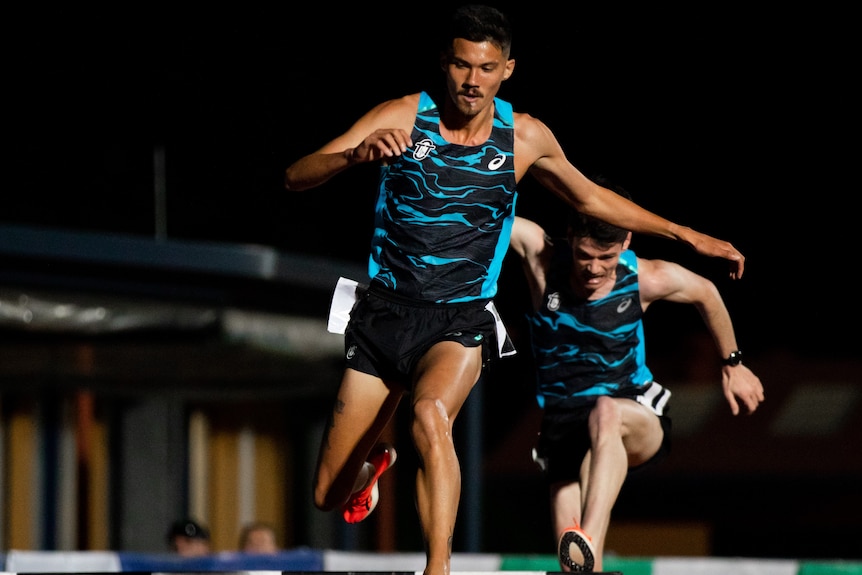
(510, 67)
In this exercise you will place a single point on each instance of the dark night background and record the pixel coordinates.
(732, 121)
(737, 122)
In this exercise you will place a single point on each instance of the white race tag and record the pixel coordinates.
(343, 299)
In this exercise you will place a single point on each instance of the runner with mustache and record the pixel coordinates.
(426, 326)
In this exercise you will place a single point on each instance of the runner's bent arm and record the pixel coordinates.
(383, 132)
(533, 246)
(659, 279)
(538, 151)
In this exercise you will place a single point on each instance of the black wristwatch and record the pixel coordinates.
(735, 358)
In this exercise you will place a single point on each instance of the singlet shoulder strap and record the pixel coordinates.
(629, 260)
(426, 103)
(503, 111)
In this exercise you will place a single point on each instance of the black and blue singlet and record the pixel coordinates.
(444, 213)
(588, 348)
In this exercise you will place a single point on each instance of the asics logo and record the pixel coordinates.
(624, 305)
(498, 161)
(554, 301)
(351, 352)
(422, 149)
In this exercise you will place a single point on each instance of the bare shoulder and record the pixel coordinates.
(527, 228)
(533, 246)
(528, 239)
(651, 271)
(533, 141)
(406, 102)
(662, 279)
(529, 127)
(396, 113)
(651, 282)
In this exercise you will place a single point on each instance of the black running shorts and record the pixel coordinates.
(387, 335)
(564, 440)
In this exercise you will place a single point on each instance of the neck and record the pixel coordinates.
(465, 130)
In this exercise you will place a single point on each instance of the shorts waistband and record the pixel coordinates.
(389, 295)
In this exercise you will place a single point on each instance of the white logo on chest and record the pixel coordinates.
(498, 161)
(422, 149)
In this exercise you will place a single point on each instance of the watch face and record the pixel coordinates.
(734, 358)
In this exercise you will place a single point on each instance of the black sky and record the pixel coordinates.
(736, 123)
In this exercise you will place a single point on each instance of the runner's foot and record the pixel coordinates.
(576, 549)
(362, 503)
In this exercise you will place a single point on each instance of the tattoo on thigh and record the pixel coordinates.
(337, 408)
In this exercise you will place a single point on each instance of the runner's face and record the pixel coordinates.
(474, 72)
(594, 265)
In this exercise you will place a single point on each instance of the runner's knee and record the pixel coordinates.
(606, 416)
(430, 424)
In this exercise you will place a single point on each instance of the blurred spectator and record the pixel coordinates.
(189, 538)
(258, 537)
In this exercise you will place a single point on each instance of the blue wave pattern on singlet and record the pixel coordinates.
(444, 212)
(609, 357)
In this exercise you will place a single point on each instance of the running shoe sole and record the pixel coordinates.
(575, 536)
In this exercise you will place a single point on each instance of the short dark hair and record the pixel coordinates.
(479, 23)
(603, 233)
